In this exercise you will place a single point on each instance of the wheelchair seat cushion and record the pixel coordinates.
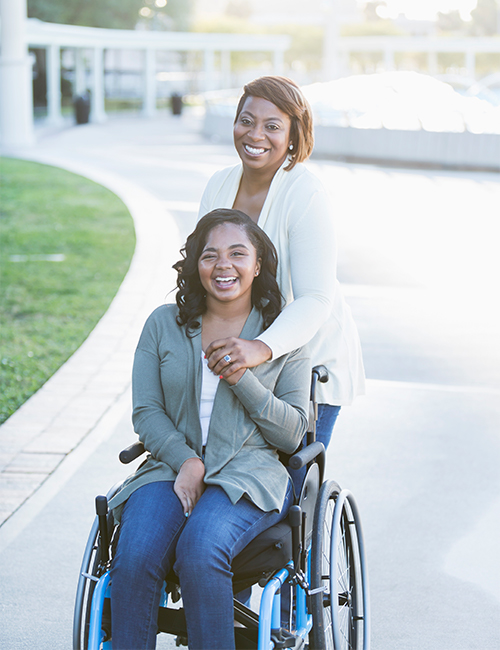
(267, 553)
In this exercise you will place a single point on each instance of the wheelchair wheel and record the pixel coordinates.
(340, 610)
(89, 573)
(85, 589)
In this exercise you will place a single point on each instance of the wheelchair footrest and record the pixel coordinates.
(283, 639)
(172, 621)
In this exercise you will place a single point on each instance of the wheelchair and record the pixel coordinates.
(317, 553)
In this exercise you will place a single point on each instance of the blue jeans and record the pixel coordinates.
(156, 536)
(327, 416)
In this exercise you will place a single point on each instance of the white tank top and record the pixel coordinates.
(209, 383)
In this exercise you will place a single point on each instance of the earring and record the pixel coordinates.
(290, 146)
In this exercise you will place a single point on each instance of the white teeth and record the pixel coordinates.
(254, 151)
(231, 279)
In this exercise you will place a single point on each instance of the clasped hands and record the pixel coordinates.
(243, 354)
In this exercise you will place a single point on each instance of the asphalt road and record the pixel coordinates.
(421, 451)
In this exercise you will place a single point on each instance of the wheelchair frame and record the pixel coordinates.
(327, 570)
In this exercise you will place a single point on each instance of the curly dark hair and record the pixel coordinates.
(191, 296)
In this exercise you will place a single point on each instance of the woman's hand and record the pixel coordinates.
(189, 485)
(243, 354)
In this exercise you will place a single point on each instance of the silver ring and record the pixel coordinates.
(227, 358)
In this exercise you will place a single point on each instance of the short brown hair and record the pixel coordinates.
(287, 96)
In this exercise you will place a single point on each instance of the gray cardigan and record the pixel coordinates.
(265, 411)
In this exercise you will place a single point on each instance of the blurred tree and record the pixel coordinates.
(370, 10)
(485, 18)
(381, 27)
(169, 14)
(225, 24)
(115, 14)
(450, 22)
(239, 9)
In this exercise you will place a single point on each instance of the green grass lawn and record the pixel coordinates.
(65, 246)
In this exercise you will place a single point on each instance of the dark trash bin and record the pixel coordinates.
(82, 108)
(176, 100)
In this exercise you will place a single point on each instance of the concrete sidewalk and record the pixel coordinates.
(90, 391)
(420, 451)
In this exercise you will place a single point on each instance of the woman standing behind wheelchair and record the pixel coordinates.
(273, 135)
(213, 480)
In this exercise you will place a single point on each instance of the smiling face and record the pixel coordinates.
(228, 265)
(262, 135)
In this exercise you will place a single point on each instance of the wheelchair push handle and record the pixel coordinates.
(319, 373)
(306, 455)
(322, 373)
(132, 452)
(101, 508)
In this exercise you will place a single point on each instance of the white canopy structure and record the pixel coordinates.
(18, 33)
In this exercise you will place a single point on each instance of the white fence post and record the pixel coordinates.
(149, 101)
(54, 115)
(98, 113)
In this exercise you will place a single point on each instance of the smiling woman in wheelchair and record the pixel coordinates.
(213, 480)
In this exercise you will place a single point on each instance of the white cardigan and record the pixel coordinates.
(297, 218)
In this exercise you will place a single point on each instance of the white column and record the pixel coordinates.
(80, 72)
(225, 57)
(470, 63)
(54, 115)
(208, 69)
(16, 77)
(330, 42)
(97, 113)
(149, 101)
(344, 63)
(432, 63)
(278, 62)
(388, 58)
